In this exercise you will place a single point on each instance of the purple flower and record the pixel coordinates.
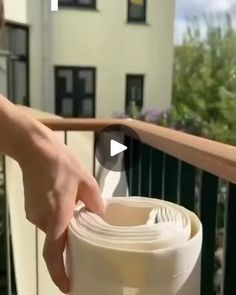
(154, 115)
(144, 112)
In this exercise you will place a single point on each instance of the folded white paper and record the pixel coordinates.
(142, 246)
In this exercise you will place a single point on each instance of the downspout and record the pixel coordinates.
(47, 59)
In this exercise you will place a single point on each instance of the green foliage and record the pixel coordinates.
(133, 110)
(204, 86)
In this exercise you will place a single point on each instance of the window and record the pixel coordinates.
(16, 43)
(137, 11)
(3, 73)
(134, 90)
(75, 91)
(79, 3)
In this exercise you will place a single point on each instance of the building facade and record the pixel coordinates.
(91, 57)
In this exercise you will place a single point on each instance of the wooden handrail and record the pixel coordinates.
(214, 157)
(80, 124)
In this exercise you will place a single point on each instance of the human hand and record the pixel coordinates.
(54, 180)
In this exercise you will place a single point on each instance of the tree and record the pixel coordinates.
(204, 83)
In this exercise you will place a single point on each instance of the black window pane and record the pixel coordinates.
(86, 107)
(137, 10)
(83, 3)
(19, 41)
(66, 1)
(86, 81)
(75, 91)
(3, 75)
(20, 82)
(6, 38)
(134, 91)
(67, 107)
(65, 78)
(15, 42)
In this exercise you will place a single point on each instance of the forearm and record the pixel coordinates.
(18, 132)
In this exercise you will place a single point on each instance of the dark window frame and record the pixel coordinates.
(136, 20)
(74, 3)
(75, 69)
(22, 58)
(130, 76)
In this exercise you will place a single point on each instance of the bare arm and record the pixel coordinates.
(54, 180)
(15, 129)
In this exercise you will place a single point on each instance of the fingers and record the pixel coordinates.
(89, 193)
(53, 252)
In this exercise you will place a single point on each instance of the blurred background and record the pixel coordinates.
(170, 62)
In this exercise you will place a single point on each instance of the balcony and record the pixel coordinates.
(196, 173)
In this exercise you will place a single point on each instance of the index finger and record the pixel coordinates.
(89, 193)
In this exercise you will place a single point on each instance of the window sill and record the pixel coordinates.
(137, 23)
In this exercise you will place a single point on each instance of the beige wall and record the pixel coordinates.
(41, 68)
(35, 21)
(103, 39)
(15, 10)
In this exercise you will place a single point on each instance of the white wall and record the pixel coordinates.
(103, 39)
(16, 10)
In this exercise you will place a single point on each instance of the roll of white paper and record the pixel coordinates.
(142, 246)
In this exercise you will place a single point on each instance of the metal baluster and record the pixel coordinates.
(171, 178)
(208, 208)
(134, 182)
(187, 186)
(229, 269)
(156, 179)
(145, 171)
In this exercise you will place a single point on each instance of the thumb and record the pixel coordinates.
(89, 193)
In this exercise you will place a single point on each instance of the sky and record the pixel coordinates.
(189, 8)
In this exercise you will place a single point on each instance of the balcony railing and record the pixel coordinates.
(172, 165)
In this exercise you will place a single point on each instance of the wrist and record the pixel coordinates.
(21, 134)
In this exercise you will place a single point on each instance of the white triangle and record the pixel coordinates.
(116, 148)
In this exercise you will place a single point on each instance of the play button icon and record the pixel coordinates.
(112, 148)
(116, 147)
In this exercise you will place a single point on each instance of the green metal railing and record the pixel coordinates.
(158, 174)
